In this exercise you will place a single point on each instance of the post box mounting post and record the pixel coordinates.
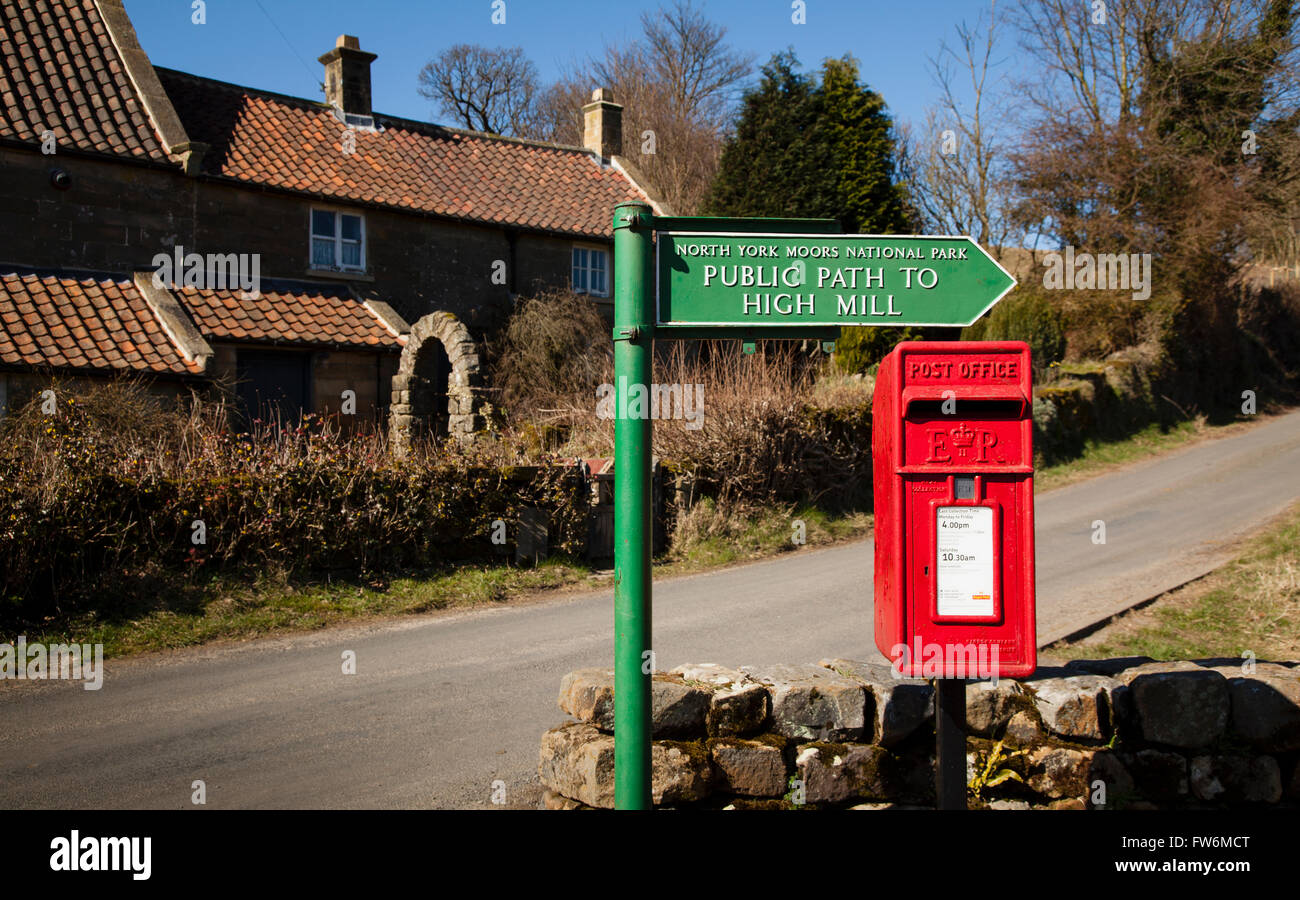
(950, 743)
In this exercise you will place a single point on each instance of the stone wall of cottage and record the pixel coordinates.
(1113, 733)
(115, 216)
(367, 374)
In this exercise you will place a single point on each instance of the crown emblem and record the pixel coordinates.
(963, 437)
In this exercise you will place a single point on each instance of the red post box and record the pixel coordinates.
(952, 445)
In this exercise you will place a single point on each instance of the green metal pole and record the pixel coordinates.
(633, 352)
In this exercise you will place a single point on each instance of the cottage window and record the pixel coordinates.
(591, 271)
(338, 241)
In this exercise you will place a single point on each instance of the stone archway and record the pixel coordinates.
(438, 350)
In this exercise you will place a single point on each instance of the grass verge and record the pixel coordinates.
(709, 537)
(1252, 604)
(187, 612)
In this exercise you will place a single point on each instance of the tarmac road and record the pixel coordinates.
(444, 705)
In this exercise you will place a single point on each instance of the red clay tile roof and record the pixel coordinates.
(60, 71)
(288, 312)
(285, 142)
(95, 323)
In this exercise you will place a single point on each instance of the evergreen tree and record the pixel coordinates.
(818, 150)
(813, 148)
(780, 162)
(862, 142)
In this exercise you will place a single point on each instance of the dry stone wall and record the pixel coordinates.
(1113, 733)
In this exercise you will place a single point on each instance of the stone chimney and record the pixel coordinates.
(347, 76)
(602, 130)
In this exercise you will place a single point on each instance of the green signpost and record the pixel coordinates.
(682, 277)
(756, 282)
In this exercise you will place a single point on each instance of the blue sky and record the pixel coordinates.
(242, 44)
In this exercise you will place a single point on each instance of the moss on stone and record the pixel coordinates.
(677, 679)
(757, 803)
(826, 747)
(770, 740)
(775, 741)
(695, 750)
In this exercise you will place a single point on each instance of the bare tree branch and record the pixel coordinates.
(956, 163)
(485, 89)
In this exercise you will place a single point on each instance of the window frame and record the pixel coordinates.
(339, 241)
(573, 264)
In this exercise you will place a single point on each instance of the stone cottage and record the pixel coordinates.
(304, 251)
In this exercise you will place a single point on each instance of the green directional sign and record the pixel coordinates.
(760, 281)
